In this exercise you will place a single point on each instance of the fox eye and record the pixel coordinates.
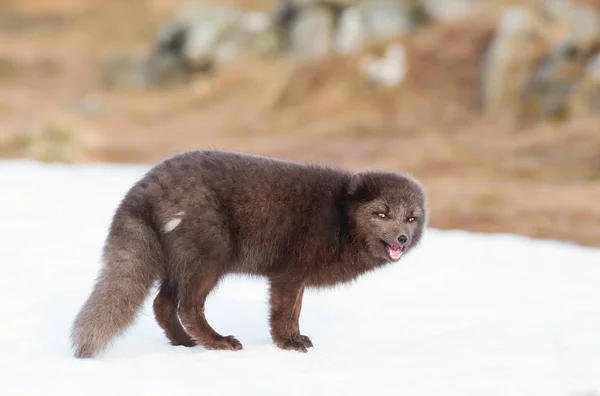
(411, 219)
(380, 214)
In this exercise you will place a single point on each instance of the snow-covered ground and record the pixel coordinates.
(465, 314)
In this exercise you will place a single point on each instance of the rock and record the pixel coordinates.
(548, 91)
(583, 22)
(377, 19)
(536, 68)
(565, 82)
(304, 3)
(386, 18)
(202, 35)
(312, 32)
(164, 69)
(388, 70)
(130, 71)
(508, 60)
(351, 32)
(139, 71)
(306, 28)
(591, 83)
(314, 28)
(453, 9)
(196, 39)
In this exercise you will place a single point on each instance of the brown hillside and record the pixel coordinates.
(483, 173)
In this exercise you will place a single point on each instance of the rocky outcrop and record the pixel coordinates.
(307, 30)
(564, 83)
(563, 74)
(444, 10)
(508, 60)
(314, 28)
(543, 60)
(581, 21)
(202, 36)
(590, 84)
(198, 38)
(538, 73)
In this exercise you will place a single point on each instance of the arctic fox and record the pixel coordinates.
(200, 215)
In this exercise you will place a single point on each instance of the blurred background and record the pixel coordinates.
(493, 104)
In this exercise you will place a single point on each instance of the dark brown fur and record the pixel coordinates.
(298, 225)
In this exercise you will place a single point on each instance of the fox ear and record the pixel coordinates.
(359, 188)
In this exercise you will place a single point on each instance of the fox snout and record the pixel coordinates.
(402, 238)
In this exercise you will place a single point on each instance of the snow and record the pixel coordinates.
(465, 314)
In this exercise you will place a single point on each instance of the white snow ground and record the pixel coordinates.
(465, 314)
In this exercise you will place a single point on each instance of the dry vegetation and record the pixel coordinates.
(482, 173)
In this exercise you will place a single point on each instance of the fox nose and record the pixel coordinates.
(403, 239)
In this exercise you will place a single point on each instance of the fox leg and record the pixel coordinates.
(165, 312)
(191, 312)
(286, 304)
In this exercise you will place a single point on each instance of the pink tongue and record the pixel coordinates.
(394, 251)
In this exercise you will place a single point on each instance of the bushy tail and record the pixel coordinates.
(132, 262)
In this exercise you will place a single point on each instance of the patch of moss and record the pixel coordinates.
(268, 44)
(54, 154)
(488, 199)
(17, 143)
(58, 134)
(52, 144)
(9, 68)
(378, 49)
(594, 176)
(418, 14)
(560, 114)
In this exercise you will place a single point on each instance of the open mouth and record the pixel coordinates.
(394, 251)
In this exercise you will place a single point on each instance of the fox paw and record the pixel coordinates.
(226, 343)
(306, 341)
(299, 343)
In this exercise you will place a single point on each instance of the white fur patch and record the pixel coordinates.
(173, 223)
